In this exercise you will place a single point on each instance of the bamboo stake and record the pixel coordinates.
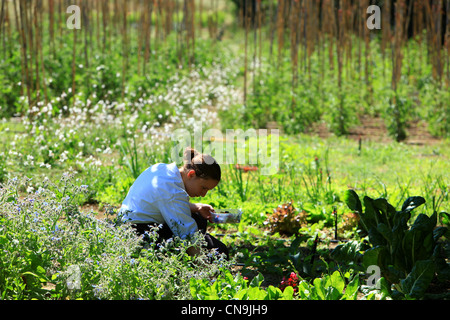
(157, 6)
(61, 11)
(246, 23)
(29, 28)
(360, 27)
(438, 9)
(105, 19)
(200, 7)
(116, 16)
(339, 45)
(51, 21)
(280, 29)
(447, 42)
(312, 32)
(321, 50)
(85, 9)
(178, 35)
(163, 15)
(74, 49)
(398, 37)
(192, 30)
(259, 17)
(272, 28)
(148, 34)
(386, 31)
(140, 31)
(97, 29)
(36, 46)
(125, 48)
(367, 50)
(2, 22)
(304, 34)
(24, 49)
(22, 57)
(8, 27)
(418, 27)
(294, 26)
(255, 45)
(41, 40)
(186, 26)
(330, 27)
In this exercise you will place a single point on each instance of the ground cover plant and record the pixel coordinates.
(85, 111)
(51, 250)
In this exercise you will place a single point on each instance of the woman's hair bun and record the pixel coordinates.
(189, 154)
(205, 166)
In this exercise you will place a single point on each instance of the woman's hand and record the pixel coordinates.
(203, 209)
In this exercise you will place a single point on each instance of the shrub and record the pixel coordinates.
(51, 250)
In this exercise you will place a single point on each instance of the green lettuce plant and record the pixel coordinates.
(227, 287)
(329, 287)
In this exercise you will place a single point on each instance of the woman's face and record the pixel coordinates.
(198, 187)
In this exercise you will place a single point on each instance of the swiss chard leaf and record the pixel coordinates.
(375, 237)
(386, 211)
(370, 257)
(370, 215)
(352, 200)
(425, 223)
(417, 282)
(347, 252)
(412, 203)
(386, 232)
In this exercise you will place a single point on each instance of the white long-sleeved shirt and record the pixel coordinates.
(158, 196)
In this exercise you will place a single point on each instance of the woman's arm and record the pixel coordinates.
(203, 209)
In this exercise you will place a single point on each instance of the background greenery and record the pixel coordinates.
(101, 116)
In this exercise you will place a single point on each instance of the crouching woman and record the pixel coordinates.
(160, 198)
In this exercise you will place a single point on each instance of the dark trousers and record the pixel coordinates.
(164, 233)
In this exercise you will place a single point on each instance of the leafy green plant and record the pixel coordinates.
(409, 256)
(51, 250)
(317, 181)
(381, 291)
(227, 287)
(329, 287)
(348, 253)
(115, 194)
(341, 115)
(239, 182)
(130, 155)
(2, 167)
(397, 116)
(433, 96)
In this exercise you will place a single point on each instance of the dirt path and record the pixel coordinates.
(374, 129)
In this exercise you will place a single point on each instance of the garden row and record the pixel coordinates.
(278, 74)
(52, 250)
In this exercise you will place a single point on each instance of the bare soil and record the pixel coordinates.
(374, 129)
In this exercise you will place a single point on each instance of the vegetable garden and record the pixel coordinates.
(345, 215)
